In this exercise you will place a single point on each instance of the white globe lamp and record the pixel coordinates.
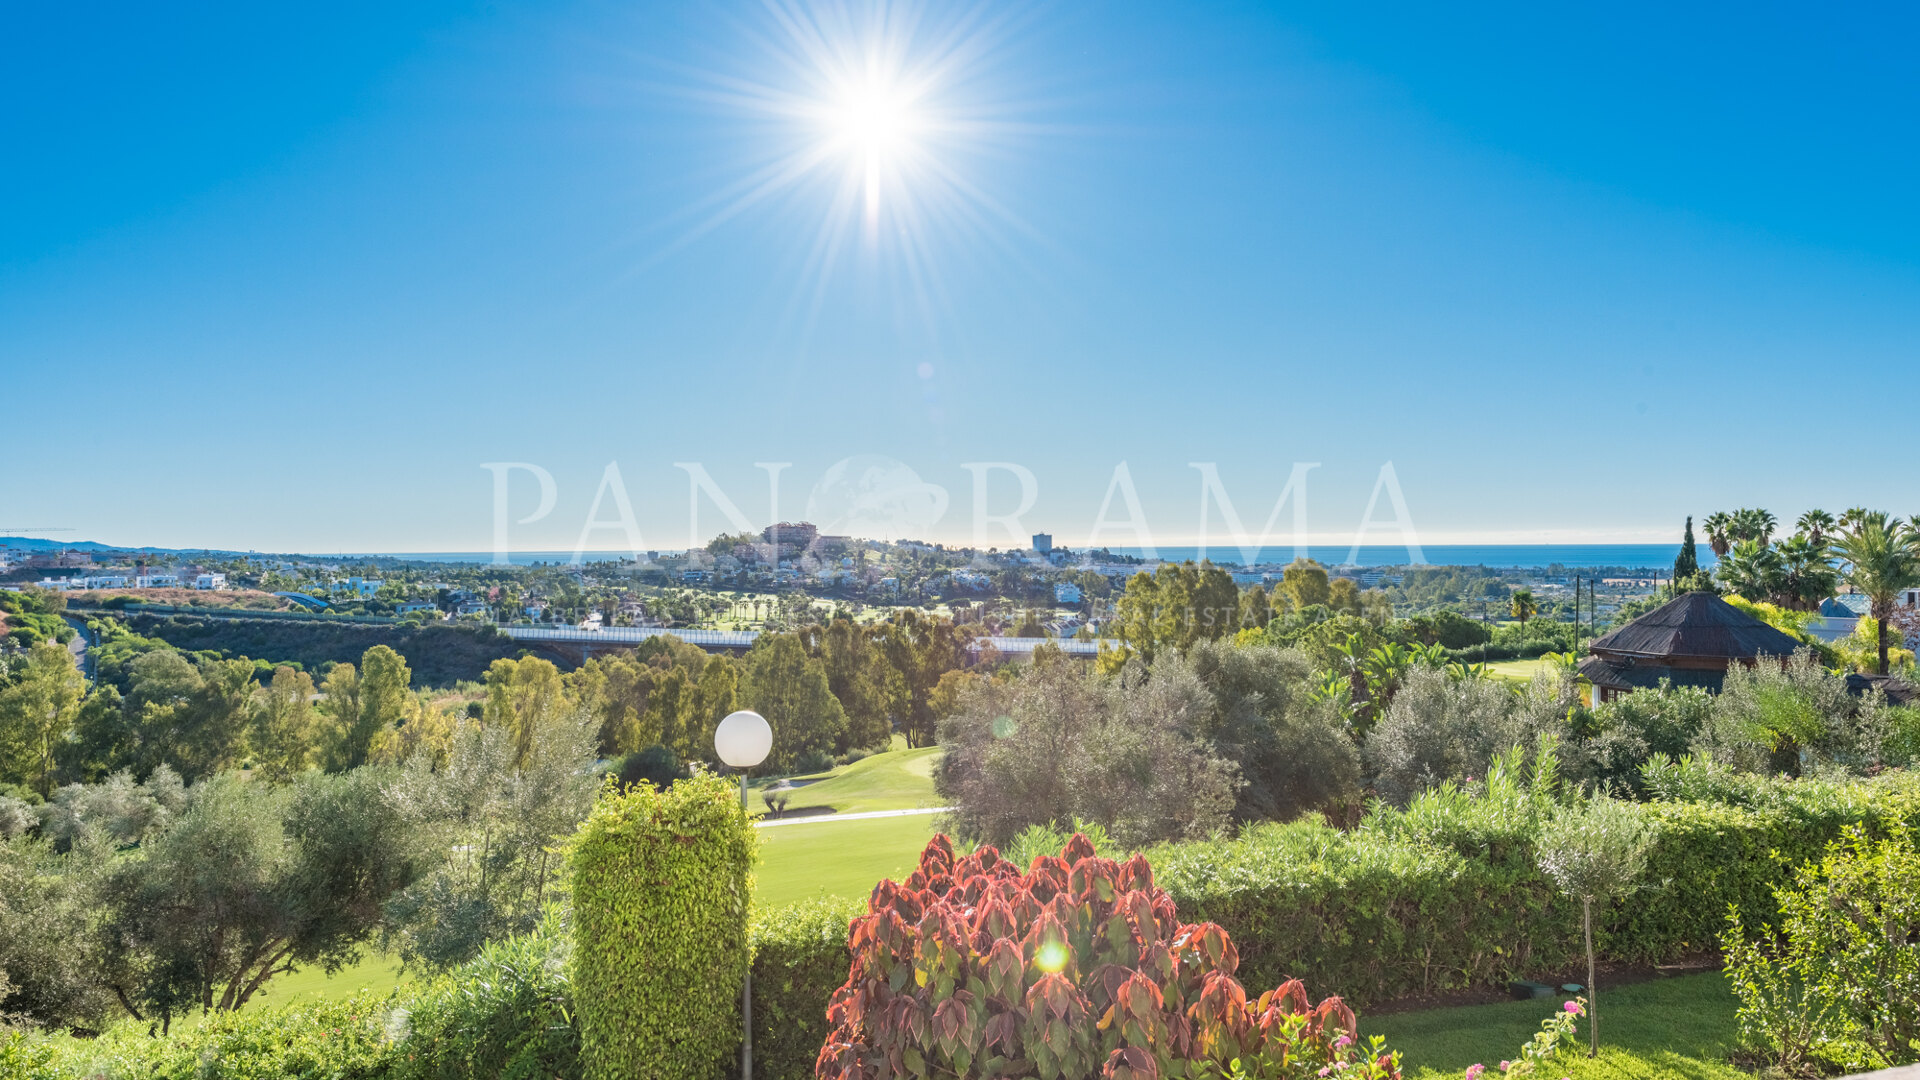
(743, 739)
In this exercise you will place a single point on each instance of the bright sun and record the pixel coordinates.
(872, 113)
(874, 124)
(875, 119)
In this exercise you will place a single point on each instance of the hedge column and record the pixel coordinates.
(660, 889)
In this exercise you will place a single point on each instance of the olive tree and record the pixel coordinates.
(1062, 743)
(249, 882)
(1595, 851)
(489, 819)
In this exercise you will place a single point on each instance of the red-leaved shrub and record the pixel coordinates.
(1078, 968)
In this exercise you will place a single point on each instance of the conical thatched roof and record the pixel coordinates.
(1698, 625)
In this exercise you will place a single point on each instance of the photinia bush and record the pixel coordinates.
(1078, 968)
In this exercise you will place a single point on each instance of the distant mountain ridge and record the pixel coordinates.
(32, 543)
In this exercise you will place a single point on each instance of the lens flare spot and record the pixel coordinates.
(1050, 957)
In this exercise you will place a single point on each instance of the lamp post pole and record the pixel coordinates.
(746, 981)
(743, 740)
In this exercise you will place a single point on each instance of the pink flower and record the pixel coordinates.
(1343, 1041)
(1505, 1065)
(1474, 1071)
(1324, 1072)
(1573, 1007)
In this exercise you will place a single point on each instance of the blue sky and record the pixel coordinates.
(286, 279)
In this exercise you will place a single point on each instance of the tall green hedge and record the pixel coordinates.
(797, 951)
(660, 889)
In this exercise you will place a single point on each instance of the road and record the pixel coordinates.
(78, 646)
(810, 819)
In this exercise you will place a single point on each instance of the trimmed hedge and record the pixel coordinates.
(797, 951)
(660, 891)
(1371, 917)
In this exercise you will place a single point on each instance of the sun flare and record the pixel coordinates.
(868, 123)
(873, 123)
(876, 119)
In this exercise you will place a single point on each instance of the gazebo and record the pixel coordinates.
(1690, 640)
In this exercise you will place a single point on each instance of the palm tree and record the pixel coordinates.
(1806, 576)
(1880, 560)
(1752, 524)
(1719, 526)
(1750, 570)
(1816, 525)
(1523, 606)
(1386, 666)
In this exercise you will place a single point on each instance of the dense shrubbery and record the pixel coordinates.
(1839, 985)
(657, 765)
(1444, 893)
(1441, 726)
(1626, 732)
(507, 1014)
(335, 1040)
(32, 616)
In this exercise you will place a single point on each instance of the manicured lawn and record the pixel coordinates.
(896, 780)
(837, 858)
(375, 971)
(1680, 1028)
(1523, 670)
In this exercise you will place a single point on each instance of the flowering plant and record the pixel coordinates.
(1554, 1031)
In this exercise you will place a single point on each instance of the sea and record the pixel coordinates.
(1650, 557)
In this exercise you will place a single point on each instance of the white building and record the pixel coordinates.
(1066, 592)
(357, 587)
(210, 581)
(156, 581)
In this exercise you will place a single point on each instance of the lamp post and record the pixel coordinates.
(743, 740)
